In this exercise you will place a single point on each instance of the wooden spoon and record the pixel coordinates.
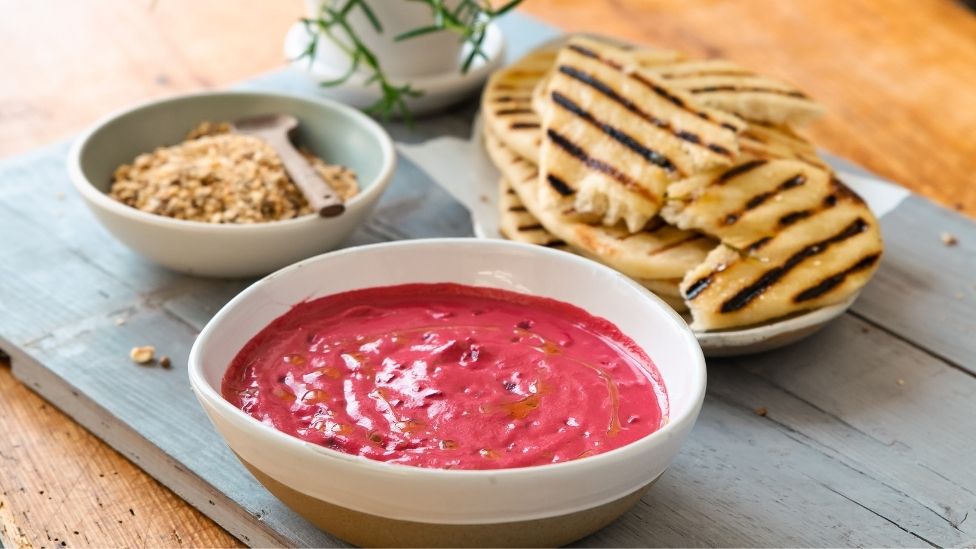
(274, 129)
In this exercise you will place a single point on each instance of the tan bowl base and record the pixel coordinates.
(368, 530)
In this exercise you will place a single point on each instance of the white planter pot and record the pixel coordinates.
(426, 55)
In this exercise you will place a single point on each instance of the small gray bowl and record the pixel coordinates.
(336, 133)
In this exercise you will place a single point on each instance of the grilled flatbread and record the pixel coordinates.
(518, 224)
(750, 201)
(661, 252)
(614, 136)
(625, 156)
(809, 258)
(730, 87)
(769, 142)
(503, 102)
(506, 103)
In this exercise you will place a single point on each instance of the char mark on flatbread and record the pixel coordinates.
(658, 89)
(750, 89)
(793, 217)
(832, 281)
(507, 112)
(524, 98)
(596, 164)
(698, 74)
(738, 170)
(761, 198)
(559, 185)
(616, 134)
(698, 286)
(772, 276)
(609, 92)
(757, 245)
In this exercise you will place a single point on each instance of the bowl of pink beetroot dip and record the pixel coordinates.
(451, 392)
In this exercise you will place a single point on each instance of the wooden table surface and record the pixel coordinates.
(896, 75)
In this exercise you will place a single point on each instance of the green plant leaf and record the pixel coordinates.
(371, 16)
(475, 52)
(506, 8)
(417, 32)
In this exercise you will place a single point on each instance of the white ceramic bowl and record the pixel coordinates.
(336, 133)
(354, 497)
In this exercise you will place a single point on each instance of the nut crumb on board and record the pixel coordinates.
(949, 239)
(900, 381)
(143, 354)
(165, 362)
(216, 176)
(760, 411)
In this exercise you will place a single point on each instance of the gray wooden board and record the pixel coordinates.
(868, 438)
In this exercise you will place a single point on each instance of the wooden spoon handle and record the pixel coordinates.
(320, 195)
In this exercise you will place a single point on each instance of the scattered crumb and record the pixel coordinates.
(165, 362)
(119, 321)
(59, 195)
(761, 411)
(900, 381)
(865, 329)
(483, 198)
(949, 239)
(142, 355)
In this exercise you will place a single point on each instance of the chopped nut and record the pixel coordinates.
(901, 381)
(761, 411)
(120, 321)
(142, 355)
(221, 177)
(949, 239)
(165, 362)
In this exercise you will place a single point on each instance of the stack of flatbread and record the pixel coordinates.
(687, 175)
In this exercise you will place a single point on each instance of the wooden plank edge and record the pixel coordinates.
(141, 452)
(955, 349)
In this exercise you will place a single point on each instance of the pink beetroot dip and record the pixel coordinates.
(448, 376)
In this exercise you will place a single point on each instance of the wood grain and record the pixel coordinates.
(66, 63)
(896, 75)
(82, 493)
